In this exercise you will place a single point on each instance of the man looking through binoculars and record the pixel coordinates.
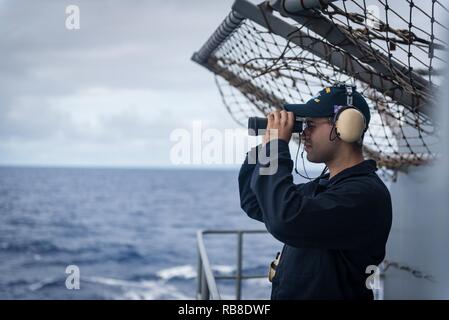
(334, 227)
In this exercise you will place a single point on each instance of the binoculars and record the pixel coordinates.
(256, 123)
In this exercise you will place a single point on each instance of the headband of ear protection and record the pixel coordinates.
(350, 123)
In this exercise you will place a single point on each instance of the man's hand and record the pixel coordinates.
(280, 126)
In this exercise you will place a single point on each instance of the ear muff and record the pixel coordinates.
(350, 124)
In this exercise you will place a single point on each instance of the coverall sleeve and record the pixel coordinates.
(248, 200)
(336, 218)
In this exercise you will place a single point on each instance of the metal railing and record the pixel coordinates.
(207, 286)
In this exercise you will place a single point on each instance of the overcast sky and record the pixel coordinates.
(110, 93)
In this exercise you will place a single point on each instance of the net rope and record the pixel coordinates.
(258, 71)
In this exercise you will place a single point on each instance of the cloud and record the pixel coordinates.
(123, 81)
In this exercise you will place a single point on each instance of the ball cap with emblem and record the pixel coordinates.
(328, 101)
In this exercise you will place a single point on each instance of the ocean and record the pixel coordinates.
(130, 232)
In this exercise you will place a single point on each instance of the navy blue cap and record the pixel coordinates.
(328, 101)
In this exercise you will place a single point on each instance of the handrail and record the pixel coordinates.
(207, 286)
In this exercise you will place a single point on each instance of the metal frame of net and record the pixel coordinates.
(264, 57)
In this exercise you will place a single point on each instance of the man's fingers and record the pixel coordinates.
(270, 119)
(276, 117)
(284, 118)
(273, 124)
(280, 125)
(291, 119)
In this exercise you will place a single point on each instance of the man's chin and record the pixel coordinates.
(311, 159)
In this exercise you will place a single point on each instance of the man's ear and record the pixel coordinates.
(333, 134)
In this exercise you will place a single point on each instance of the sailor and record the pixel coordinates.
(335, 227)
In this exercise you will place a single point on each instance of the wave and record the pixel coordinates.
(224, 269)
(39, 247)
(141, 290)
(162, 286)
(183, 272)
(130, 290)
(45, 283)
(189, 272)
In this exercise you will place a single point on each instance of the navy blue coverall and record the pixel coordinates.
(332, 229)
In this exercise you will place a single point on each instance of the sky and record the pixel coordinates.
(114, 91)
(111, 92)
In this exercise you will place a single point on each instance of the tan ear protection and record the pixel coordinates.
(350, 123)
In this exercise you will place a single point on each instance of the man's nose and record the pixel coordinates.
(305, 133)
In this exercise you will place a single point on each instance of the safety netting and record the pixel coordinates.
(393, 51)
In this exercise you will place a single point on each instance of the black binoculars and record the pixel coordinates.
(256, 123)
